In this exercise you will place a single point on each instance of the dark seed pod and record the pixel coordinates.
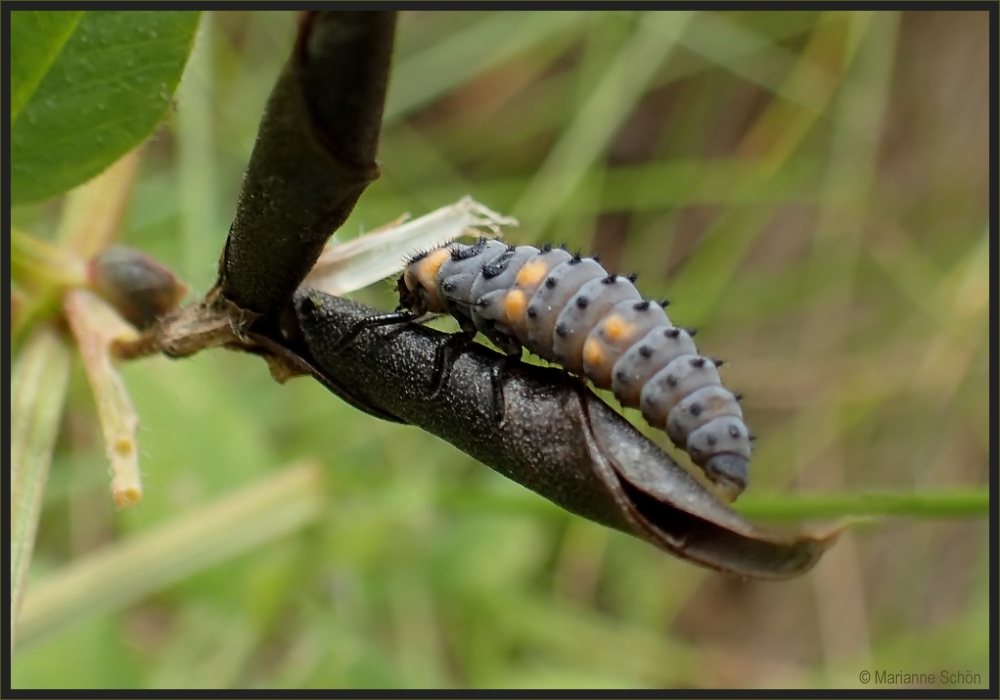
(556, 437)
(570, 310)
(314, 156)
(139, 288)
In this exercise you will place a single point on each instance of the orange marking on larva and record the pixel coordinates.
(615, 328)
(427, 268)
(531, 273)
(593, 353)
(514, 305)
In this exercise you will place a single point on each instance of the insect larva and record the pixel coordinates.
(570, 310)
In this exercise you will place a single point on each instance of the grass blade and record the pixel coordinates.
(38, 391)
(617, 92)
(956, 503)
(124, 572)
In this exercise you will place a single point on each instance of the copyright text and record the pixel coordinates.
(936, 678)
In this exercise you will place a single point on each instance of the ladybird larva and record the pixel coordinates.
(569, 310)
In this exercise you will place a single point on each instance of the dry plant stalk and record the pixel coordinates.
(96, 327)
(93, 212)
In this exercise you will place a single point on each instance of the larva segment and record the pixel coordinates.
(645, 359)
(497, 301)
(621, 327)
(559, 286)
(697, 409)
(582, 312)
(459, 272)
(526, 283)
(531, 274)
(681, 377)
(724, 434)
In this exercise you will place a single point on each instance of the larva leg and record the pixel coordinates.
(511, 348)
(445, 356)
(498, 377)
(373, 322)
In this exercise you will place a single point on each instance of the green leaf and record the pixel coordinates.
(36, 38)
(86, 88)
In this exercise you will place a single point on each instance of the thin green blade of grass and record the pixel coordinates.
(772, 140)
(755, 58)
(43, 269)
(612, 100)
(595, 641)
(642, 187)
(954, 652)
(419, 162)
(423, 77)
(39, 263)
(208, 649)
(955, 503)
(124, 572)
(38, 392)
(546, 112)
(202, 227)
(420, 654)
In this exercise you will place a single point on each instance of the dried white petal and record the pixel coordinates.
(382, 253)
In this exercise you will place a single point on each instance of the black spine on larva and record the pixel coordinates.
(489, 288)
(459, 272)
(597, 324)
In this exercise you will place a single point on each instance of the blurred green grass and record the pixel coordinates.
(810, 189)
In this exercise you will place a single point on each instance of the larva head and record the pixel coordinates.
(417, 286)
(728, 472)
(722, 448)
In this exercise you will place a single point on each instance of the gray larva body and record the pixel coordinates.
(571, 311)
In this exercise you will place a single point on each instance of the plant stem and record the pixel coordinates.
(38, 391)
(957, 503)
(95, 327)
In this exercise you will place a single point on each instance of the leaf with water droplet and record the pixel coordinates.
(86, 88)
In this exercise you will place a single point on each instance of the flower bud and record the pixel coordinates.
(139, 288)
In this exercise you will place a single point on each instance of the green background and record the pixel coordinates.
(809, 189)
